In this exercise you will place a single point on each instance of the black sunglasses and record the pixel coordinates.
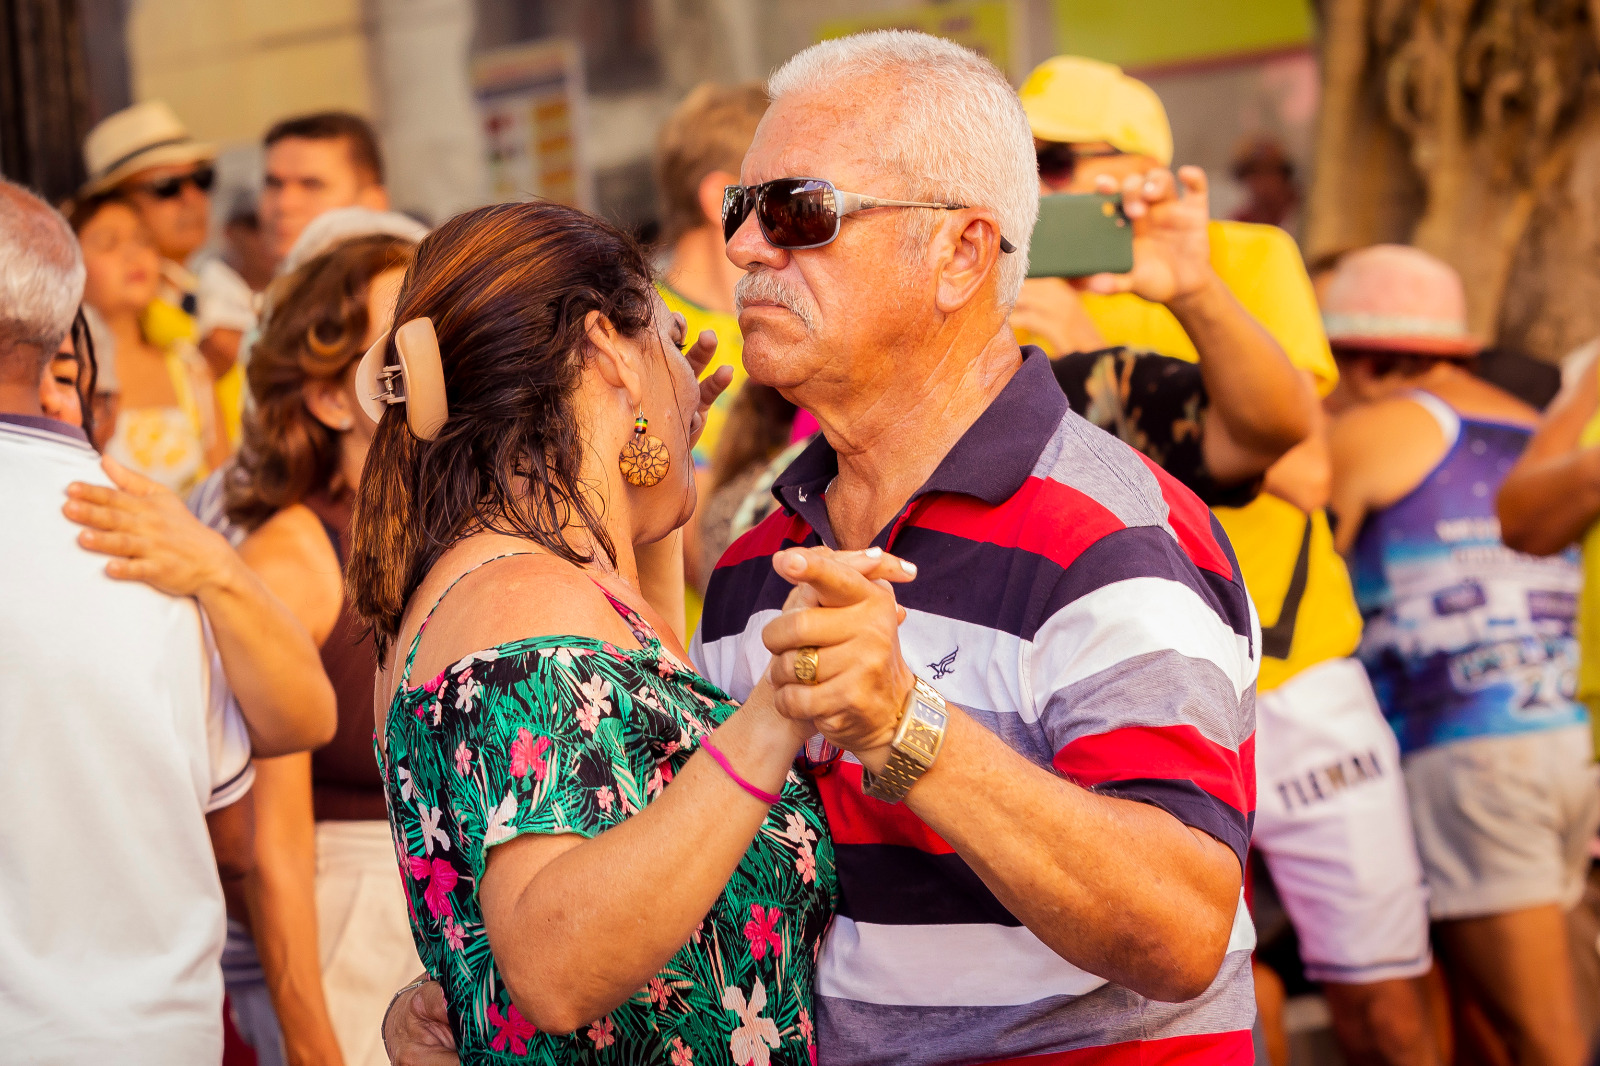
(797, 213)
(202, 177)
(1059, 162)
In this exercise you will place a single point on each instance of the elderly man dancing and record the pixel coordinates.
(1044, 797)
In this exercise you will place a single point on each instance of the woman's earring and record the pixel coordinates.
(644, 459)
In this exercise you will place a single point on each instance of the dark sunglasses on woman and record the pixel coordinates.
(797, 213)
(1059, 162)
(201, 177)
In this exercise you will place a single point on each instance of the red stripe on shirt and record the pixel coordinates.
(1173, 752)
(1191, 520)
(767, 538)
(856, 818)
(1045, 518)
(1208, 1049)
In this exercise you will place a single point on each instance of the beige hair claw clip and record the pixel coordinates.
(415, 379)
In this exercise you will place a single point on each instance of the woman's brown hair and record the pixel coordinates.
(508, 288)
(314, 331)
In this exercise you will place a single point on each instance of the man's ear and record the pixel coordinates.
(615, 357)
(375, 197)
(710, 195)
(966, 257)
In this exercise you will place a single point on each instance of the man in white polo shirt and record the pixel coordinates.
(119, 739)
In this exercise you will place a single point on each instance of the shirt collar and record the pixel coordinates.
(991, 461)
(48, 425)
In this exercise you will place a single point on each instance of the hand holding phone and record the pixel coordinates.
(1169, 222)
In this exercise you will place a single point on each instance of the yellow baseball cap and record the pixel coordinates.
(1082, 101)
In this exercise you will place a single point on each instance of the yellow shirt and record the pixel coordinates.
(166, 324)
(1262, 267)
(730, 352)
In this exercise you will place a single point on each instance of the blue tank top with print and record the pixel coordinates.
(1465, 637)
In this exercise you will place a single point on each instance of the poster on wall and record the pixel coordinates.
(985, 26)
(530, 101)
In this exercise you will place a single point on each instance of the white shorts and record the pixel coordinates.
(1333, 825)
(1504, 822)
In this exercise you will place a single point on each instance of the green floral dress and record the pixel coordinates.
(567, 734)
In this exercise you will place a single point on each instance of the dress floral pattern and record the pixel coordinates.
(573, 735)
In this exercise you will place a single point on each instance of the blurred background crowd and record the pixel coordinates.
(217, 158)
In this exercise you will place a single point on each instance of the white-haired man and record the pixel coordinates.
(1042, 816)
(121, 745)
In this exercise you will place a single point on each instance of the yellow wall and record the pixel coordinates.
(231, 68)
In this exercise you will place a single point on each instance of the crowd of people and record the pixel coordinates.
(810, 639)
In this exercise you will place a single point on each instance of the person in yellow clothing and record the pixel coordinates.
(168, 426)
(697, 154)
(1331, 820)
(145, 154)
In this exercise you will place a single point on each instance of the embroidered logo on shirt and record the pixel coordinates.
(945, 666)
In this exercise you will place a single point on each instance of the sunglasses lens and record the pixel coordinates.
(735, 209)
(1057, 162)
(798, 212)
(204, 178)
(166, 188)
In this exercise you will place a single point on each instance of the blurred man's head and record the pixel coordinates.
(146, 153)
(41, 285)
(1088, 119)
(315, 163)
(698, 153)
(891, 115)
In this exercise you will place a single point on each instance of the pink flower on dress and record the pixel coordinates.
(605, 798)
(595, 702)
(671, 748)
(805, 863)
(805, 1024)
(603, 1033)
(682, 1054)
(761, 931)
(466, 691)
(658, 992)
(432, 687)
(527, 756)
(454, 933)
(512, 1029)
(463, 758)
(442, 877)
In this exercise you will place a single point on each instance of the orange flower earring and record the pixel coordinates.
(644, 459)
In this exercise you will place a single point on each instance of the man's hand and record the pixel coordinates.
(1048, 309)
(416, 1031)
(853, 621)
(1171, 243)
(699, 356)
(148, 532)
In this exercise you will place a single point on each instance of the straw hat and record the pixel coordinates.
(1081, 101)
(136, 138)
(1391, 298)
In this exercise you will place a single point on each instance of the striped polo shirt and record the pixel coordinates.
(1087, 609)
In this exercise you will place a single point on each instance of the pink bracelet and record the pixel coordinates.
(727, 768)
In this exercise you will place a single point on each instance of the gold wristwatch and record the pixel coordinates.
(915, 745)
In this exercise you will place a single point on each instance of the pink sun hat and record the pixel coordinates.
(1393, 298)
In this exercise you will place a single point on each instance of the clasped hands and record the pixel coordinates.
(843, 610)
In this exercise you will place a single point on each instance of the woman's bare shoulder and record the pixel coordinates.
(508, 599)
(292, 555)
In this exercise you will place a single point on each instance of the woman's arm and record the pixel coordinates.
(577, 926)
(272, 665)
(281, 896)
(1552, 495)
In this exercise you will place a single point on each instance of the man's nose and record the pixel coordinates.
(750, 248)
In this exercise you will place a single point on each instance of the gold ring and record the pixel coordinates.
(805, 666)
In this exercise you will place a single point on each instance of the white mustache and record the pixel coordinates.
(763, 286)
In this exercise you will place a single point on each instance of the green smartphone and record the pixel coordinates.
(1080, 234)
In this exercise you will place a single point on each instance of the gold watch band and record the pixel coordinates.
(915, 745)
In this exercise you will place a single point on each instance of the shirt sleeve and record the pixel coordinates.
(553, 749)
(228, 740)
(1145, 684)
